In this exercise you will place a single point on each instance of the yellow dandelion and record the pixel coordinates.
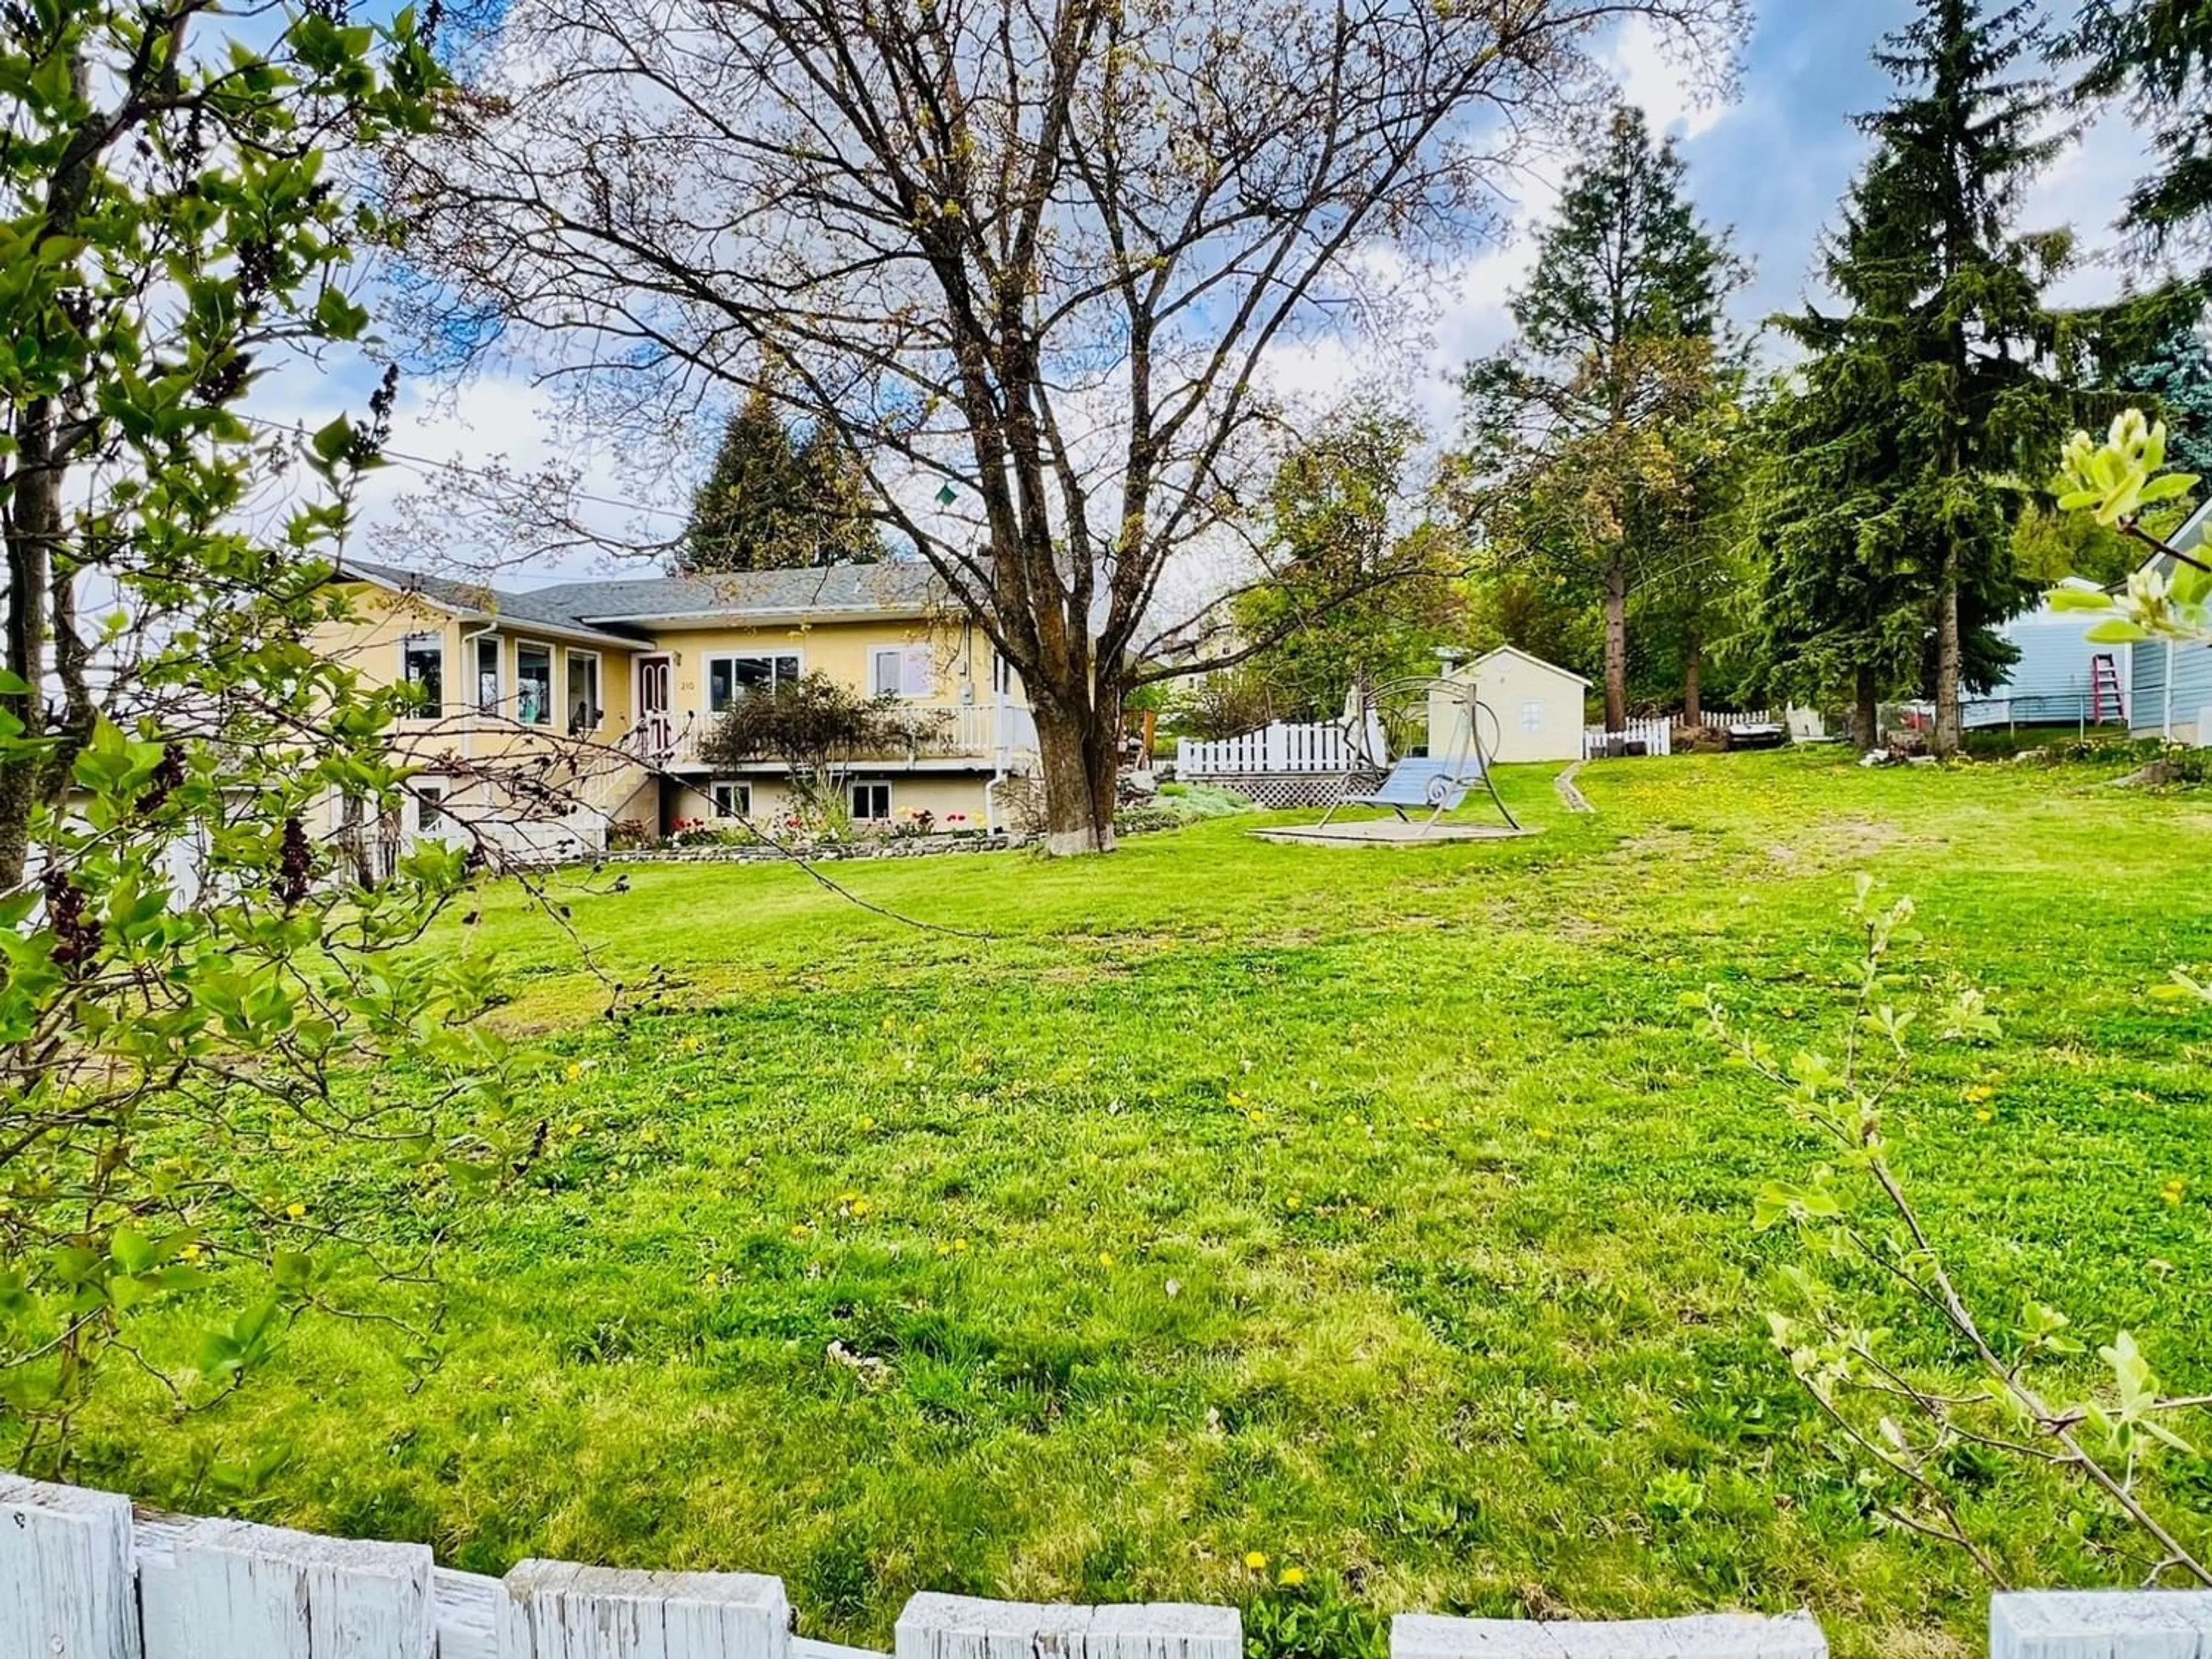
(295, 1211)
(1291, 1578)
(1291, 1202)
(1257, 1560)
(866, 1124)
(1983, 1115)
(573, 1071)
(1543, 1134)
(800, 1229)
(959, 1246)
(1105, 1258)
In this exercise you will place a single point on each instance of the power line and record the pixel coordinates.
(425, 461)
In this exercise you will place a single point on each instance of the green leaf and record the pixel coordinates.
(2074, 599)
(2116, 632)
(332, 440)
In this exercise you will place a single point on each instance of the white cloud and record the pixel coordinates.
(1652, 79)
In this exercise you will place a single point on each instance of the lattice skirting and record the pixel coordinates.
(1283, 789)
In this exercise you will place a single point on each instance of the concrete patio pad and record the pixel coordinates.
(1388, 832)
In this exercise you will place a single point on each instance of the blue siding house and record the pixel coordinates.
(2049, 684)
(2171, 686)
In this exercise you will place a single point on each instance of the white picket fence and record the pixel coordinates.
(1658, 735)
(1657, 738)
(1282, 746)
(83, 1577)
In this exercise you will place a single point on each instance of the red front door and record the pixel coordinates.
(656, 726)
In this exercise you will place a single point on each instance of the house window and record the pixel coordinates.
(872, 801)
(1002, 674)
(1532, 717)
(533, 684)
(429, 806)
(729, 677)
(488, 691)
(584, 710)
(423, 665)
(732, 800)
(901, 671)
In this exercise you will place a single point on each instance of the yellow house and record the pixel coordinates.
(552, 715)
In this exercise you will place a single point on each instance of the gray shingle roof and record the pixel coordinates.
(895, 586)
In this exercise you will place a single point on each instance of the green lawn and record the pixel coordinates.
(1376, 1210)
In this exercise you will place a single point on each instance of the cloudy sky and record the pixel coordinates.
(1770, 166)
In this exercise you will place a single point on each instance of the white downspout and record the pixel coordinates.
(998, 748)
(2166, 720)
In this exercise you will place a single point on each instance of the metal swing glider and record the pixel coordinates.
(1451, 720)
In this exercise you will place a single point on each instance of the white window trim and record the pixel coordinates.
(891, 797)
(428, 711)
(430, 794)
(707, 671)
(745, 798)
(476, 643)
(552, 686)
(598, 685)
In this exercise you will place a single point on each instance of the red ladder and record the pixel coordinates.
(2105, 684)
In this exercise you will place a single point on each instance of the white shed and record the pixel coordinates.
(1533, 707)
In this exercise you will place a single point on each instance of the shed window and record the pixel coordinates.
(1532, 716)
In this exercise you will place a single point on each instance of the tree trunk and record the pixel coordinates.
(1079, 768)
(35, 522)
(1947, 655)
(1866, 714)
(1690, 711)
(1616, 644)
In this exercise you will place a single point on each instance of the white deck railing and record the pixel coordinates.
(978, 731)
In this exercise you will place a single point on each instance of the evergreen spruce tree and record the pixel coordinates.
(771, 503)
(1621, 351)
(2157, 55)
(2179, 375)
(1946, 371)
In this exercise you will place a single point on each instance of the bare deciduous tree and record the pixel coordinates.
(1031, 260)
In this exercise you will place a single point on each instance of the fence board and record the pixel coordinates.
(554, 1610)
(66, 1588)
(1707, 1635)
(229, 1589)
(464, 1608)
(2101, 1625)
(934, 1626)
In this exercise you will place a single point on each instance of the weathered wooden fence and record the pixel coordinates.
(82, 1577)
